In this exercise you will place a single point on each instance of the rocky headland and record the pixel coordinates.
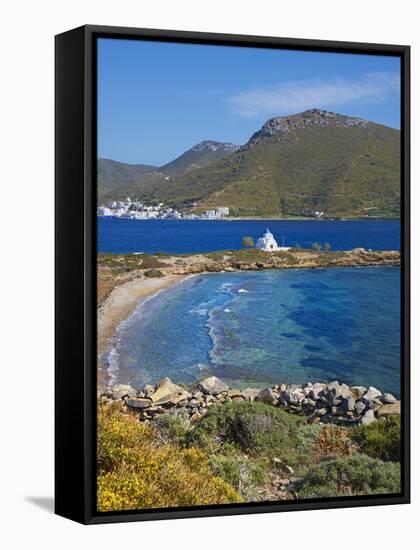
(117, 269)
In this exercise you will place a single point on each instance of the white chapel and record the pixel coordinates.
(268, 243)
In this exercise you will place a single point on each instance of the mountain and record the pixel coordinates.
(202, 154)
(292, 166)
(123, 181)
(112, 174)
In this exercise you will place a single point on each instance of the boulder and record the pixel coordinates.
(123, 390)
(194, 403)
(336, 394)
(333, 385)
(359, 391)
(388, 398)
(307, 388)
(139, 403)
(293, 395)
(250, 394)
(317, 391)
(348, 403)
(169, 393)
(389, 409)
(267, 395)
(360, 407)
(372, 394)
(212, 386)
(235, 393)
(367, 418)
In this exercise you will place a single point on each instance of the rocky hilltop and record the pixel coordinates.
(211, 145)
(281, 127)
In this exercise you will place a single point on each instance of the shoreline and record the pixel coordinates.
(118, 306)
(258, 218)
(125, 281)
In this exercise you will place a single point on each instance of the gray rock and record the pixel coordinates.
(250, 394)
(139, 403)
(372, 394)
(317, 391)
(336, 394)
(388, 399)
(293, 395)
(307, 390)
(193, 403)
(267, 395)
(348, 404)
(359, 391)
(147, 390)
(209, 399)
(123, 390)
(367, 418)
(333, 385)
(169, 393)
(212, 386)
(360, 407)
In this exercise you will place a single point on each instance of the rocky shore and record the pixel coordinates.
(327, 403)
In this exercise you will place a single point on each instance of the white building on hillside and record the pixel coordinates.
(269, 244)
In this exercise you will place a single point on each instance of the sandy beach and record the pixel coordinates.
(121, 302)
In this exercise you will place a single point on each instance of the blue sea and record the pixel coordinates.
(191, 236)
(273, 326)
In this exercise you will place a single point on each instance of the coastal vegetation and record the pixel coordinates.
(137, 470)
(237, 451)
(247, 242)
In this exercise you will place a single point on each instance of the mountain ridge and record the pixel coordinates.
(293, 165)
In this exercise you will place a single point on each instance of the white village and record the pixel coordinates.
(135, 210)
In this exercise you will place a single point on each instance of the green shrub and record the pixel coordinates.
(256, 429)
(137, 471)
(357, 475)
(172, 428)
(153, 273)
(151, 262)
(380, 439)
(246, 475)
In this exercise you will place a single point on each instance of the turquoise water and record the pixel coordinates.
(273, 326)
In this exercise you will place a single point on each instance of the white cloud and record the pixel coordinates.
(299, 95)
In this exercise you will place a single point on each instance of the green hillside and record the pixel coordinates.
(112, 174)
(123, 180)
(312, 161)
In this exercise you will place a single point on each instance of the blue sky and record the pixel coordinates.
(156, 100)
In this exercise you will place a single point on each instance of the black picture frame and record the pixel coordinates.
(75, 271)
